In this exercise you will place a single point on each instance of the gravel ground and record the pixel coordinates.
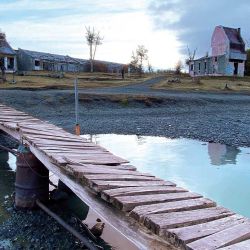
(223, 118)
(35, 230)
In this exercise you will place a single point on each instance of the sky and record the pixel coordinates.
(164, 27)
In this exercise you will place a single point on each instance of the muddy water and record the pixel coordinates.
(217, 171)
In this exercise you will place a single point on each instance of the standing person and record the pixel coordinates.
(123, 73)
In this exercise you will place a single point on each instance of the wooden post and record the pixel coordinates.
(77, 126)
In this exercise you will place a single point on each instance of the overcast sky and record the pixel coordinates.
(165, 27)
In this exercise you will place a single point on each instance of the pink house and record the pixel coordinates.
(228, 55)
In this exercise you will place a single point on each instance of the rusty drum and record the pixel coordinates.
(32, 180)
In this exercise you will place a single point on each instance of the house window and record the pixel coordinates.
(205, 66)
(199, 66)
(191, 67)
(10, 62)
(216, 59)
(37, 63)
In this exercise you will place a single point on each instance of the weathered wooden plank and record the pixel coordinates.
(90, 160)
(119, 177)
(122, 167)
(131, 191)
(223, 238)
(128, 203)
(244, 245)
(51, 138)
(79, 171)
(184, 235)
(103, 185)
(139, 213)
(158, 223)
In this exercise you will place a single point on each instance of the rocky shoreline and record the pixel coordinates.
(211, 118)
(207, 118)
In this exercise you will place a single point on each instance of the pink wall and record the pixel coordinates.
(219, 42)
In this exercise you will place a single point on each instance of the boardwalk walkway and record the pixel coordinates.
(170, 213)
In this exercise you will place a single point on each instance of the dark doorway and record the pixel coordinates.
(235, 68)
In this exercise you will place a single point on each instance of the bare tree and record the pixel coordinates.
(150, 68)
(138, 58)
(93, 39)
(191, 55)
(142, 54)
(178, 67)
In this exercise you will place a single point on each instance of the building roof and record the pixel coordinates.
(5, 48)
(52, 57)
(63, 59)
(233, 35)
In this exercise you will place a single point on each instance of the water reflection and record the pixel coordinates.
(190, 165)
(222, 154)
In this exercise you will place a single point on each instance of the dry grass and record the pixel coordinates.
(122, 99)
(43, 80)
(206, 84)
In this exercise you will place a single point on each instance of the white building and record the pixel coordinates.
(7, 54)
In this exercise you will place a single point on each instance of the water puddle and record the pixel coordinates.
(217, 171)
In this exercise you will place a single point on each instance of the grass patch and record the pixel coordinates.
(206, 83)
(45, 80)
(122, 99)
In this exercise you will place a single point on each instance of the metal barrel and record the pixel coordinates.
(32, 180)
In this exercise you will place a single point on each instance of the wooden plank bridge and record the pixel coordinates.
(149, 211)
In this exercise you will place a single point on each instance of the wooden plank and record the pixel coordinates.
(244, 245)
(131, 191)
(103, 185)
(139, 213)
(223, 238)
(119, 177)
(128, 203)
(158, 223)
(79, 171)
(51, 138)
(184, 235)
(122, 167)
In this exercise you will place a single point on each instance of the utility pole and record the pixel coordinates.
(77, 126)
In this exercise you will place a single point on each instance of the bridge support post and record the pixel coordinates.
(32, 180)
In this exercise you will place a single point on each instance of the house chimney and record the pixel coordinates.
(239, 31)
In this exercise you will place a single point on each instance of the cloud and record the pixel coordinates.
(194, 21)
(61, 30)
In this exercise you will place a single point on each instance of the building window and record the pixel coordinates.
(216, 59)
(199, 66)
(205, 66)
(191, 67)
(37, 63)
(10, 62)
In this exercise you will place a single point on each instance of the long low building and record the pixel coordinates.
(32, 60)
(27, 60)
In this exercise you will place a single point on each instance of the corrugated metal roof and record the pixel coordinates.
(52, 57)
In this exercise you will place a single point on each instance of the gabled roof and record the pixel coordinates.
(233, 35)
(5, 48)
(235, 39)
(52, 57)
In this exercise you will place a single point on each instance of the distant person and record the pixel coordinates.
(123, 73)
